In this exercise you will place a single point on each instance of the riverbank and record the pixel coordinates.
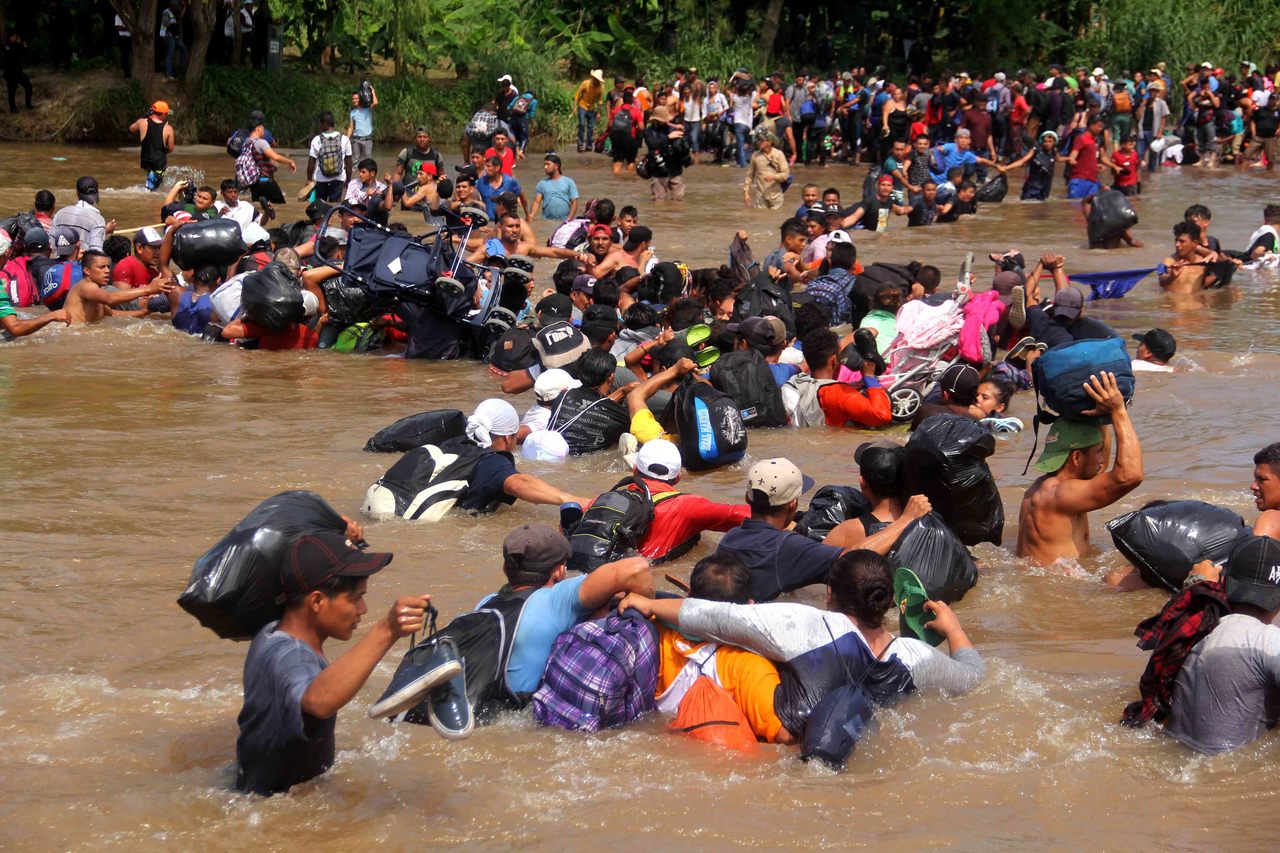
(97, 105)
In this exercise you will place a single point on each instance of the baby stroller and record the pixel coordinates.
(928, 342)
(394, 266)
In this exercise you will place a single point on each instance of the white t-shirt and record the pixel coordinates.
(345, 143)
(742, 109)
(717, 103)
(1141, 366)
(243, 212)
(537, 418)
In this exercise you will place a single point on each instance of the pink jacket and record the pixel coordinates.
(981, 312)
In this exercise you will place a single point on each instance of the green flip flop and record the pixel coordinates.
(910, 594)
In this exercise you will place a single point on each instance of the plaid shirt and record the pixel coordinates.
(1170, 636)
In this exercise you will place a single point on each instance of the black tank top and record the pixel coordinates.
(154, 157)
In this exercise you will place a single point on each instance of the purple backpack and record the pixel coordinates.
(600, 674)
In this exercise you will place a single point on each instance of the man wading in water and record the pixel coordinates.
(156, 137)
(1053, 523)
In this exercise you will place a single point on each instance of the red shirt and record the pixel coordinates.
(1086, 165)
(296, 336)
(1130, 160)
(508, 156)
(845, 405)
(678, 519)
(1018, 114)
(133, 272)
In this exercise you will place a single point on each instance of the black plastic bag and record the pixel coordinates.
(829, 506)
(939, 559)
(347, 304)
(1165, 539)
(1110, 216)
(993, 191)
(945, 461)
(235, 586)
(272, 297)
(417, 430)
(211, 243)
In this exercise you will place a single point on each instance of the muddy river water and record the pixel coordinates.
(133, 447)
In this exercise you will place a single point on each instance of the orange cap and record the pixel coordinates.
(160, 108)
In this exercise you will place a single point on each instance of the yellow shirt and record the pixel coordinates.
(589, 94)
(645, 427)
(749, 678)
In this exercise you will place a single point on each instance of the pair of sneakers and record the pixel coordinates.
(432, 670)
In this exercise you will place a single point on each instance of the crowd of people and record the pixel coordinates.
(673, 367)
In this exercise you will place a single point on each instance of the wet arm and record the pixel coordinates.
(630, 575)
(341, 680)
(531, 489)
(1078, 496)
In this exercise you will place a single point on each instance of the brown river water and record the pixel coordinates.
(134, 447)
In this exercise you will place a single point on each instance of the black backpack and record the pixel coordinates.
(589, 421)
(416, 430)
(622, 120)
(613, 527)
(236, 141)
(745, 376)
(709, 426)
(762, 298)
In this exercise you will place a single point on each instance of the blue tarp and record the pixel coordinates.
(1111, 285)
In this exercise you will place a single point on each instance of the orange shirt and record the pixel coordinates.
(748, 677)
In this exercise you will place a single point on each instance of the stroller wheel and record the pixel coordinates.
(478, 215)
(520, 262)
(904, 403)
(500, 320)
(516, 276)
(449, 286)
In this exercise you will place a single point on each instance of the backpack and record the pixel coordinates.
(808, 410)
(426, 483)
(745, 376)
(1059, 376)
(236, 141)
(247, 171)
(57, 281)
(416, 430)
(484, 639)
(709, 426)
(1121, 101)
(762, 298)
(613, 526)
(588, 421)
(600, 674)
(22, 285)
(329, 157)
(622, 120)
(520, 106)
(709, 713)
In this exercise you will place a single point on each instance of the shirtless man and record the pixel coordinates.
(89, 301)
(636, 252)
(514, 244)
(1186, 271)
(1053, 522)
(1266, 490)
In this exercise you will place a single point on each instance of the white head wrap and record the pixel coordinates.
(492, 417)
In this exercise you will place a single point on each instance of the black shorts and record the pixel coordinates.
(330, 191)
(267, 190)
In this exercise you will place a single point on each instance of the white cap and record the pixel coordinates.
(1098, 72)
(839, 236)
(505, 78)
(545, 445)
(659, 459)
(999, 77)
(253, 233)
(552, 383)
(1207, 64)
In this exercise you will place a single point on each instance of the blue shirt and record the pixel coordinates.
(783, 372)
(778, 560)
(280, 745)
(362, 121)
(952, 156)
(490, 193)
(547, 614)
(556, 196)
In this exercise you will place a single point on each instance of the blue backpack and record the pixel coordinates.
(709, 425)
(1059, 376)
(600, 674)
